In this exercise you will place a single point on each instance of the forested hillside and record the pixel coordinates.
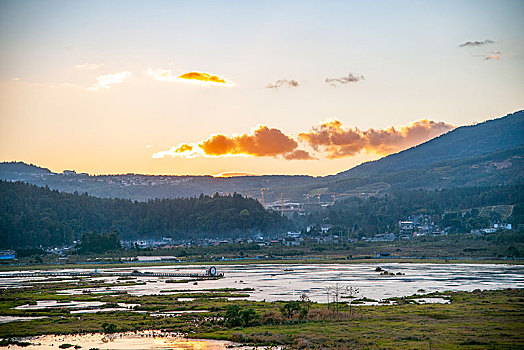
(32, 216)
(504, 167)
(367, 216)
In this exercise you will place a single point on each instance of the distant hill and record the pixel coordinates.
(486, 154)
(462, 143)
(21, 167)
(504, 167)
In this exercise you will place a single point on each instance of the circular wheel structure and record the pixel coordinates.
(213, 271)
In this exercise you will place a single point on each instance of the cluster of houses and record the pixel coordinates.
(168, 242)
(61, 251)
(124, 180)
(422, 225)
(496, 227)
(413, 226)
(165, 242)
(418, 225)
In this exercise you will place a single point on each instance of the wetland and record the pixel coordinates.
(472, 306)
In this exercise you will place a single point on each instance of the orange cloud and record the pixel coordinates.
(330, 139)
(184, 148)
(263, 142)
(200, 78)
(337, 141)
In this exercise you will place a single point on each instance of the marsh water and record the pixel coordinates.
(272, 282)
(268, 282)
(129, 341)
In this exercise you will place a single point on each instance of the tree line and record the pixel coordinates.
(32, 216)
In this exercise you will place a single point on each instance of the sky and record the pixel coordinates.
(254, 87)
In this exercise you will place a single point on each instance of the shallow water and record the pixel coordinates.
(288, 281)
(51, 304)
(77, 306)
(146, 340)
(7, 319)
(176, 313)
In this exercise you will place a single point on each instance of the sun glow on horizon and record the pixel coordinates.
(234, 174)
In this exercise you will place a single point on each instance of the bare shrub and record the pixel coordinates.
(271, 317)
(327, 315)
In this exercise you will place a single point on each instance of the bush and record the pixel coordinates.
(271, 317)
(248, 316)
(109, 327)
(232, 318)
(236, 316)
(291, 309)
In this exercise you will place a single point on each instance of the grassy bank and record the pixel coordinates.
(472, 320)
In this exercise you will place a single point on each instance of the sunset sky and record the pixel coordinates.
(260, 87)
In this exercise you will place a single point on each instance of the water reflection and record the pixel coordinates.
(146, 340)
(289, 281)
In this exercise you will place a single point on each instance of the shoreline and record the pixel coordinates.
(404, 260)
(122, 340)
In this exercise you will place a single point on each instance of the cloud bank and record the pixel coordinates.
(330, 140)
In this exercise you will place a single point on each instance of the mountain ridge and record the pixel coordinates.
(488, 153)
(513, 121)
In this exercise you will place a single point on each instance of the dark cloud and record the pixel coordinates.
(283, 82)
(476, 43)
(350, 78)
